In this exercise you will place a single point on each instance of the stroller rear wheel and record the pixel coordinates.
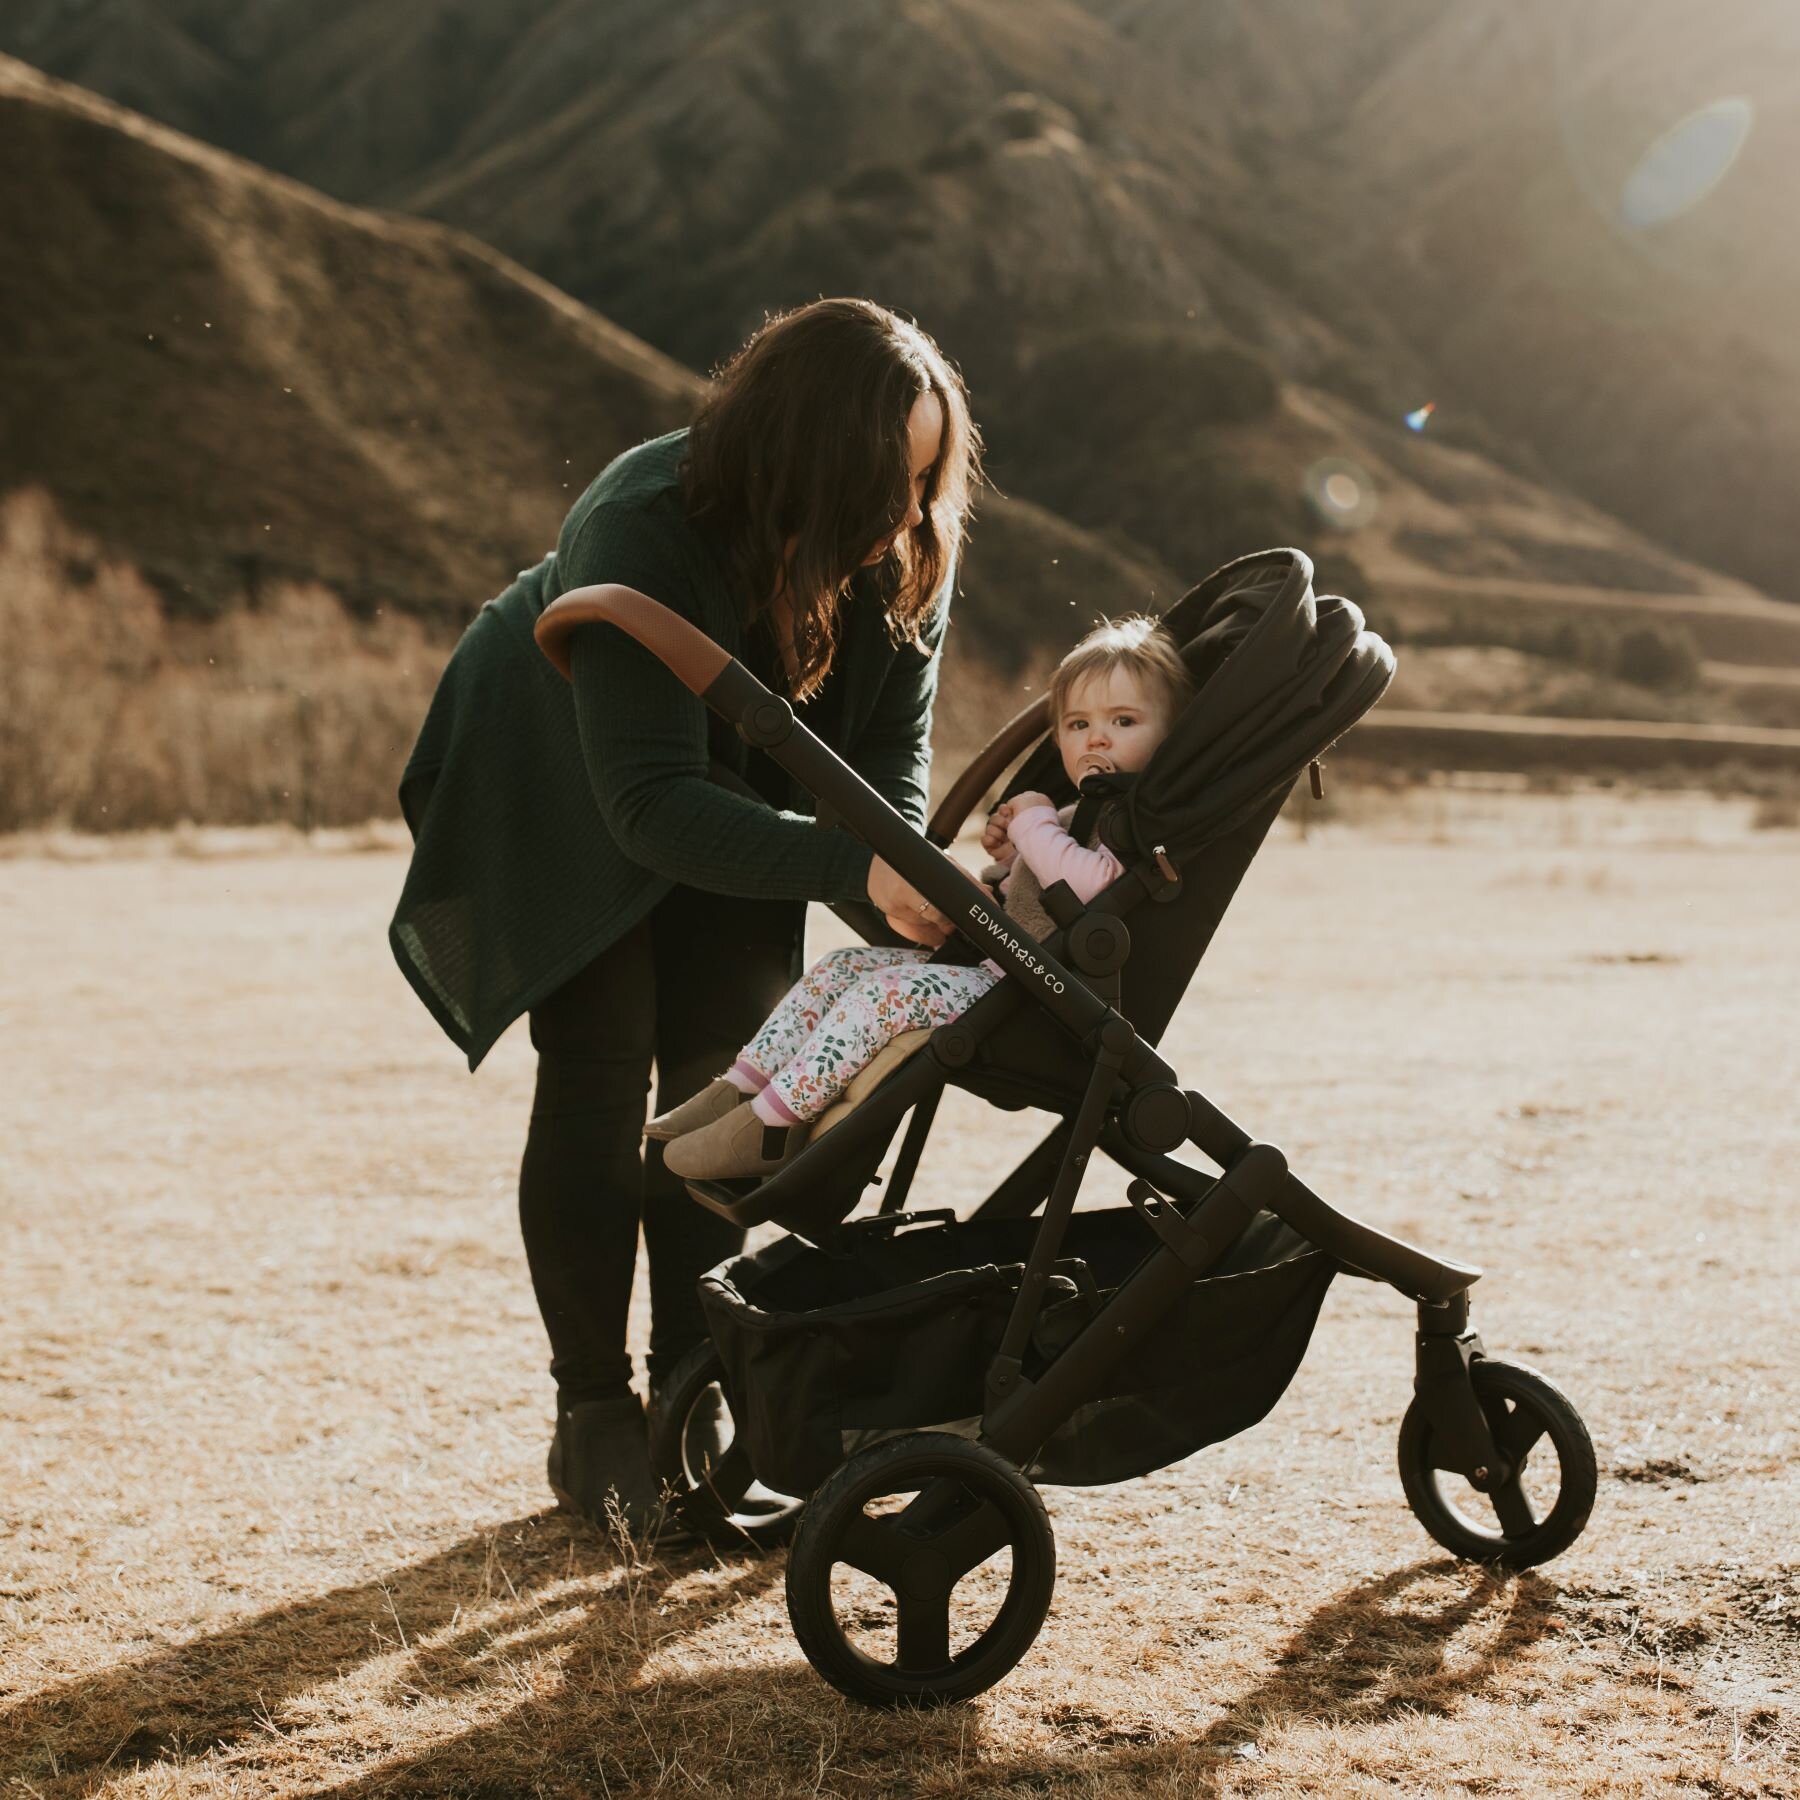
(921, 1572)
(1540, 1509)
(695, 1449)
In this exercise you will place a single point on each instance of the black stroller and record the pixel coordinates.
(951, 1362)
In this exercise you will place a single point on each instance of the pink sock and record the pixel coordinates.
(772, 1109)
(746, 1077)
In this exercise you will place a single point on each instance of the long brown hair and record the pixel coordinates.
(804, 436)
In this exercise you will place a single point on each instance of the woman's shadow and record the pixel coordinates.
(526, 1585)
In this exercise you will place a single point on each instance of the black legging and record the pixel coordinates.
(686, 988)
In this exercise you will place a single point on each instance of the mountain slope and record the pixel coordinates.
(230, 379)
(231, 382)
(262, 455)
(1422, 201)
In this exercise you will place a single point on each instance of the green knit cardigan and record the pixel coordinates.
(549, 817)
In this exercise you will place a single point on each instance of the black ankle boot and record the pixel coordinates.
(600, 1454)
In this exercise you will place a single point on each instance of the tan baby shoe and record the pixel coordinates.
(733, 1148)
(713, 1101)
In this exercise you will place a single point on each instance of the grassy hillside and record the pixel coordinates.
(232, 381)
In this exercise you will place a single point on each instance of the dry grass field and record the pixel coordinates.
(273, 1409)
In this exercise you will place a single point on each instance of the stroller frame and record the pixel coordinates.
(1130, 1105)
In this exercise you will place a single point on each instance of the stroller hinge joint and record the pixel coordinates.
(1005, 1374)
(766, 720)
(1171, 1225)
(1098, 944)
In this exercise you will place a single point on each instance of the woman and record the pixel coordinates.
(607, 857)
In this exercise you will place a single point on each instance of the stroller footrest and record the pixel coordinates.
(736, 1204)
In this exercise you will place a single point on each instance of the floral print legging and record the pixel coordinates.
(832, 1021)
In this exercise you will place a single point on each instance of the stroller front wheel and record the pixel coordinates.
(697, 1452)
(1539, 1511)
(921, 1572)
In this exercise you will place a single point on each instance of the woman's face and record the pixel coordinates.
(1111, 722)
(925, 442)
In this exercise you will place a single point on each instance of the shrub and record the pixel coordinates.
(1648, 655)
(115, 715)
(1656, 656)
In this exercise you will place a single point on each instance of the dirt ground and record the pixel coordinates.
(273, 1405)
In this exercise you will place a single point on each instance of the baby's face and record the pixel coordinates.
(1111, 722)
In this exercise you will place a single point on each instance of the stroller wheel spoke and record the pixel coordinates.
(872, 1545)
(934, 1506)
(728, 1480)
(959, 1525)
(1518, 1433)
(924, 1631)
(1517, 1519)
(969, 1541)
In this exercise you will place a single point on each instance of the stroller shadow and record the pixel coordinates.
(533, 1583)
(1367, 1656)
(1376, 1651)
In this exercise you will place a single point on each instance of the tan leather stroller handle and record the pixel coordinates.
(696, 661)
(992, 761)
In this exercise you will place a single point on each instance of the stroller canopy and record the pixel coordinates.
(1281, 674)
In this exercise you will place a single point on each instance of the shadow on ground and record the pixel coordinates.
(561, 1584)
(1414, 1641)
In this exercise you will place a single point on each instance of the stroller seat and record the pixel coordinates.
(1002, 1049)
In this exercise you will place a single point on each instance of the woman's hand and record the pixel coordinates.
(905, 908)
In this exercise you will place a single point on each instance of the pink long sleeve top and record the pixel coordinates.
(1051, 854)
(1047, 849)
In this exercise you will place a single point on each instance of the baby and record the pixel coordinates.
(1112, 701)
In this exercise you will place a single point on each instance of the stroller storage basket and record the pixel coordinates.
(894, 1331)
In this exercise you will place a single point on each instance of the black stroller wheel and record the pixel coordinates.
(695, 1450)
(1539, 1511)
(914, 1602)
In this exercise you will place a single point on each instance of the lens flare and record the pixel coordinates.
(1685, 164)
(1340, 491)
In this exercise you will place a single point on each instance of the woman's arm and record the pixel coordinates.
(644, 740)
(1051, 854)
(643, 736)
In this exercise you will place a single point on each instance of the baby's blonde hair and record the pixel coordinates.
(1140, 644)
